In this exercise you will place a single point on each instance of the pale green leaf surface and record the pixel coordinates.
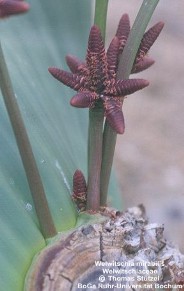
(58, 132)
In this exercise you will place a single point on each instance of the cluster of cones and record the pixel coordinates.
(95, 80)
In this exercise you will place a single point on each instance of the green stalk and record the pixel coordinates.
(124, 69)
(108, 148)
(101, 7)
(95, 130)
(129, 53)
(96, 117)
(34, 180)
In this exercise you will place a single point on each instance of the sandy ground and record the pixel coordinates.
(150, 155)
